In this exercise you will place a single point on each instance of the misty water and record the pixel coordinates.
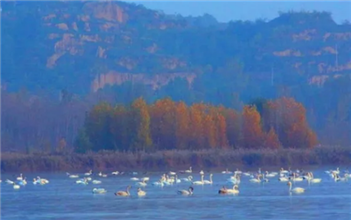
(62, 198)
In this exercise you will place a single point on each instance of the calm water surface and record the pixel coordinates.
(62, 198)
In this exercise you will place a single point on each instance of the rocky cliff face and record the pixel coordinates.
(89, 36)
(155, 81)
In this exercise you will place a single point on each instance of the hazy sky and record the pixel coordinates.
(249, 10)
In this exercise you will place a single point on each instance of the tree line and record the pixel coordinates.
(170, 125)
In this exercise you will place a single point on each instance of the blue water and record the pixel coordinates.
(62, 198)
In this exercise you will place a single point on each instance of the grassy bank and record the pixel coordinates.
(162, 160)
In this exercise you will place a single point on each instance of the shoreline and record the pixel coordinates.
(175, 160)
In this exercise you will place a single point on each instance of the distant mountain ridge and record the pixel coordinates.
(59, 44)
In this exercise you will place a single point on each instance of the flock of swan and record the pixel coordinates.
(171, 178)
(21, 181)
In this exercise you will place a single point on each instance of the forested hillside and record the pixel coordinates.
(61, 58)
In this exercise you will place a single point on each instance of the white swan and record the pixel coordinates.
(226, 171)
(44, 181)
(143, 183)
(9, 181)
(88, 173)
(115, 173)
(73, 176)
(123, 193)
(315, 180)
(247, 174)
(176, 179)
(40, 181)
(20, 177)
(172, 173)
(199, 182)
(238, 171)
(166, 180)
(311, 179)
(209, 181)
(82, 181)
(337, 171)
(15, 186)
(282, 171)
(102, 174)
(96, 181)
(283, 179)
(296, 189)
(270, 174)
(202, 172)
(256, 180)
(189, 171)
(141, 192)
(186, 192)
(189, 179)
(99, 191)
(296, 178)
(134, 179)
(235, 190)
(234, 179)
(224, 190)
(171, 180)
(145, 179)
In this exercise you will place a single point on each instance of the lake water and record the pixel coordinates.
(62, 198)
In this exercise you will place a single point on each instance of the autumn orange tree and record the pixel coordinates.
(288, 118)
(252, 134)
(140, 121)
(182, 120)
(233, 126)
(163, 126)
(196, 139)
(271, 140)
(221, 130)
(166, 124)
